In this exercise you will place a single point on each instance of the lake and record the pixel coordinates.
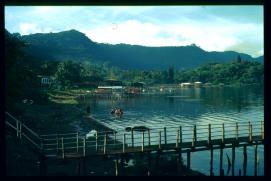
(190, 106)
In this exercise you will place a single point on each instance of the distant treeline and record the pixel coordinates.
(22, 72)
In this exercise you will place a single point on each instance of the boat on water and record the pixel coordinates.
(92, 133)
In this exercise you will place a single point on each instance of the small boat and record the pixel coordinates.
(92, 133)
(140, 128)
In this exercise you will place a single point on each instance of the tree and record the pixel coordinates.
(68, 72)
(170, 75)
(239, 60)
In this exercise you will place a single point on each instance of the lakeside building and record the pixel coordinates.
(110, 88)
(48, 81)
(135, 88)
(186, 84)
(197, 84)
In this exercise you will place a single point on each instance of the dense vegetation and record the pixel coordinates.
(74, 45)
(22, 73)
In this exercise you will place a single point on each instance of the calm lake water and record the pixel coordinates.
(190, 106)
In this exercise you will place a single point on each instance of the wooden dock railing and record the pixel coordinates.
(201, 136)
(183, 139)
(23, 132)
(167, 138)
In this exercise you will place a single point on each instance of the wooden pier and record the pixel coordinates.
(181, 139)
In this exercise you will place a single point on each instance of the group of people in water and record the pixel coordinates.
(117, 112)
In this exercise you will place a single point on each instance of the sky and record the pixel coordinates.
(213, 28)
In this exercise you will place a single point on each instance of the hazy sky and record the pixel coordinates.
(213, 28)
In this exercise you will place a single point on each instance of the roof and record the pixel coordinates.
(186, 83)
(109, 87)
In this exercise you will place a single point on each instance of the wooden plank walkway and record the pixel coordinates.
(181, 138)
(118, 143)
(182, 148)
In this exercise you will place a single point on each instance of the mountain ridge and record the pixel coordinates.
(75, 45)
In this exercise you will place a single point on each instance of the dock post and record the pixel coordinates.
(249, 131)
(115, 137)
(177, 138)
(149, 137)
(116, 167)
(262, 130)
(96, 136)
(250, 134)
(79, 167)
(188, 159)
(209, 134)
(57, 147)
(245, 161)
(180, 150)
(62, 142)
(255, 159)
(77, 141)
(41, 145)
(142, 141)
(20, 132)
(132, 137)
(195, 133)
(17, 128)
(223, 133)
(221, 160)
(194, 136)
(149, 163)
(211, 161)
(181, 135)
(124, 142)
(84, 146)
(122, 165)
(237, 132)
(233, 158)
(105, 142)
(165, 135)
(159, 140)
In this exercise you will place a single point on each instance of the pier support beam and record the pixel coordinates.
(42, 165)
(255, 159)
(159, 144)
(211, 161)
(221, 160)
(233, 158)
(223, 133)
(209, 134)
(124, 142)
(245, 161)
(188, 159)
(116, 167)
(165, 135)
(132, 137)
(149, 163)
(149, 137)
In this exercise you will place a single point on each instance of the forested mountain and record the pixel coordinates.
(23, 72)
(76, 46)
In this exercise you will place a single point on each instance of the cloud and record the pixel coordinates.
(218, 35)
(30, 28)
(213, 28)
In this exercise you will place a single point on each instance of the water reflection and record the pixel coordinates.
(187, 106)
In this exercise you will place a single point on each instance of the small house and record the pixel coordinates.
(186, 84)
(197, 84)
